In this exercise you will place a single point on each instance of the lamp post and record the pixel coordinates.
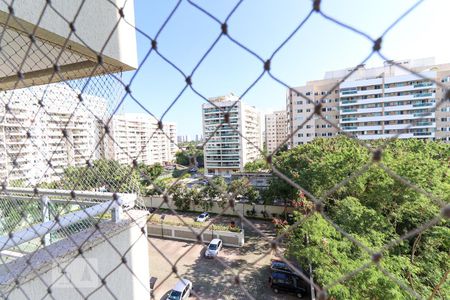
(242, 219)
(163, 216)
(45, 202)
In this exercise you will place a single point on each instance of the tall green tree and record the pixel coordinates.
(375, 209)
(103, 174)
(189, 156)
(242, 187)
(149, 173)
(258, 165)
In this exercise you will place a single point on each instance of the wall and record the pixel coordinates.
(232, 239)
(96, 32)
(157, 201)
(103, 256)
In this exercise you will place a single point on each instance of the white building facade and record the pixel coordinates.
(136, 136)
(45, 129)
(375, 103)
(226, 150)
(276, 130)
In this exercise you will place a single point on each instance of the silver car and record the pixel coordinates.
(213, 248)
(181, 291)
(202, 217)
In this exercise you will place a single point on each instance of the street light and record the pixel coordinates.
(212, 231)
(163, 216)
(242, 221)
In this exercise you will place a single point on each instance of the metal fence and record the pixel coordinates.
(83, 88)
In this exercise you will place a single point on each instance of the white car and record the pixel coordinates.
(213, 248)
(202, 217)
(181, 291)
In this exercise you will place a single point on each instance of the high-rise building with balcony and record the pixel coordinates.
(45, 129)
(376, 103)
(136, 136)
(226, 151)
(275, 130)
(303, 128)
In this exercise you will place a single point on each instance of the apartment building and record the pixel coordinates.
(276, 130)
(377, 103)
(226, 150)
(45, 129)
(303, 128)
(136, 136)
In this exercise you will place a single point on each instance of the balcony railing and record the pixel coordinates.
(349, 92)
(423, 95)
(349, 119)
(98, 203)
(422, 133)
(423, 104)
(426, 114)
(348, 101)
(423, 84)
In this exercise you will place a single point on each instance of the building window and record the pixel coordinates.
(299, 110)
(308, 126)
(308, 134)
(299, 102)
(308, 110)
(300, 135)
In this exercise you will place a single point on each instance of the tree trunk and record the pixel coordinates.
(414, 247)
(438, 286)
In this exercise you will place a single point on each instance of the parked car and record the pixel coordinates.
(181, 291)
(281, 266)
(213, 248)
(202, 217)
(287, 282)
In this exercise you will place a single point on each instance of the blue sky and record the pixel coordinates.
(262, 25)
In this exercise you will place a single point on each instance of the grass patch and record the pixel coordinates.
(174, 221)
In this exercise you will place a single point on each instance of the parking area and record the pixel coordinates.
(211, 280)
